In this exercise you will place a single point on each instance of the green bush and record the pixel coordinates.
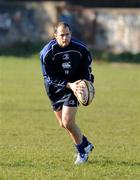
(29, 48)
(110, 57)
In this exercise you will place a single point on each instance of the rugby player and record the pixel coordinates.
(65, 61)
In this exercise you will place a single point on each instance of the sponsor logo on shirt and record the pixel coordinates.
(66, 65)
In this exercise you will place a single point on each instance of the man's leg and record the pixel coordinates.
(58, 115)
(66, 119)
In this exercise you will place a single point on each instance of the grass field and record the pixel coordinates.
(34, 147)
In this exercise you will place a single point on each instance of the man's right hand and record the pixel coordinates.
(74, 86)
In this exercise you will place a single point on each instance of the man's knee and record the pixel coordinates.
(67, 123)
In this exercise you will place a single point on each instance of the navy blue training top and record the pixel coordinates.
(66, 64)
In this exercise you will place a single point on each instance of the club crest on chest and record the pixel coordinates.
(66, 56)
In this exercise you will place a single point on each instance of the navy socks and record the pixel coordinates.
(80, 147)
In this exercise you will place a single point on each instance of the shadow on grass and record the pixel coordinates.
(28, 164)
(106, 162)
(102, 163)
(17, 164)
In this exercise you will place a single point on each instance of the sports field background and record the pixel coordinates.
(34, 147)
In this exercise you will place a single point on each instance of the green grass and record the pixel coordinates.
(34, 147)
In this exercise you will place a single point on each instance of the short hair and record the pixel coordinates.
(63, 24)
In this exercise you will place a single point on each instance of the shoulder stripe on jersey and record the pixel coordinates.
(47, 48)
(79, 43)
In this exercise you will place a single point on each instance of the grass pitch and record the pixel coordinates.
(34, 147)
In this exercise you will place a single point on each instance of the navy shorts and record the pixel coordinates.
(63, 98)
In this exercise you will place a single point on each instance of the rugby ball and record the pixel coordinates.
(86, 96)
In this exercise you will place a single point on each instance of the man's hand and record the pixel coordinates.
(75, 86)
(83, 90)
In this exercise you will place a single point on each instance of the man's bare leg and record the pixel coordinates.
(66, 118)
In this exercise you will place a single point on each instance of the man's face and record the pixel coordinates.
(63, 36)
